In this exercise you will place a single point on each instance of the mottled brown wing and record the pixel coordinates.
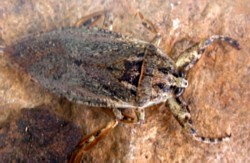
(89, 66)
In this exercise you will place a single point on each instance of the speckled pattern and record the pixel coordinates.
(33, 134)
(218, 92)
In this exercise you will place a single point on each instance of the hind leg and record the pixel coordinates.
(181, 112)
(191, 56)
(92, 139)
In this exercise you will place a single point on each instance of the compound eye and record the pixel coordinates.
(178, 91)
(182, 74)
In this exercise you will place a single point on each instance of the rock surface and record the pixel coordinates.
(38, 135)
(218, 92)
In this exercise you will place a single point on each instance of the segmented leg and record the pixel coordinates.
(108, 21)
(117, 113)
(90, 20)
(150, 26)
(140, 114)
(129, 119)
(120, 116)
(192, 55)
(91, 140)
(181, 112)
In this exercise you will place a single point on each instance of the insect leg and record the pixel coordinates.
(150, 26)
(92, 139)
(90, 20)
(89, 141)
(140, 114)
(181, 112)
(128, 118)
(192, 55)
(108, 21)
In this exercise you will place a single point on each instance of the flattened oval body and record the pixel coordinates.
(88, 65)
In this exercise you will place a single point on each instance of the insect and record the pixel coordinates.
(101, 68)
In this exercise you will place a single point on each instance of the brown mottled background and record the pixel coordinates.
(218, 92)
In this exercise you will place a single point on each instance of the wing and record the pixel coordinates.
(89, 66)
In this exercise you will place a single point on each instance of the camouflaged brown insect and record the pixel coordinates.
(97, 67)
